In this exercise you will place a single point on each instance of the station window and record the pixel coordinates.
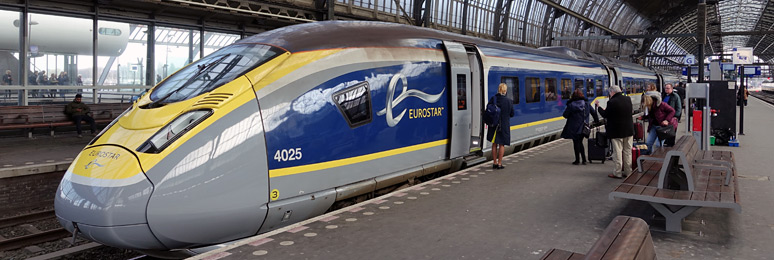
(513, 85)
(566, 88)
(550, 89)
(532, 89)
(589, 88)
(462, 92)
(600, 88)
(355, 104)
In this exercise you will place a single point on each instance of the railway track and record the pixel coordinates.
(765, 95)
(33, 235)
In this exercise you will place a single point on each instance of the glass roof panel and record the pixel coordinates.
(739, 15)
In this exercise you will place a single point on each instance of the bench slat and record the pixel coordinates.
(727, 197)
(713, 196)
(699, 195)
(682, 195)
(599, 249)
(558, 254)
(624, 188)
(667, 194)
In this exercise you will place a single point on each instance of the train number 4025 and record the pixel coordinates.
(288, 155)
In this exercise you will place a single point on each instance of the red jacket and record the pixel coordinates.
(659, 114)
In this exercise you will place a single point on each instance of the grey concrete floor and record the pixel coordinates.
(22, 151)
(540, 201)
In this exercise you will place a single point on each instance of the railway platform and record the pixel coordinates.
(538, 202)
(43, 149)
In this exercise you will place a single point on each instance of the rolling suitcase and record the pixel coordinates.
(639, 134)
(636, 152)
(598, 147)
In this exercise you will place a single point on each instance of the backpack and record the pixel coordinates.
(492, 113)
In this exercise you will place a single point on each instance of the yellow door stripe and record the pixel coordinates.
(352, 160)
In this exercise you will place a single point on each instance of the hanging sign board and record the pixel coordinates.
(743, 56)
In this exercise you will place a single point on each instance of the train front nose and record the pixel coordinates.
(104, 195)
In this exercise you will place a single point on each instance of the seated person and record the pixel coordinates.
(78, 112)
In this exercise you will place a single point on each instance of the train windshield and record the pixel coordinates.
(211, 72)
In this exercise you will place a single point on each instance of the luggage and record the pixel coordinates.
(636, 152)
(639, 134)
(491, 115)
(598, 147)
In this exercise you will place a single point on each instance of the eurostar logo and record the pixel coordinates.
(93, 163)
(392, 101)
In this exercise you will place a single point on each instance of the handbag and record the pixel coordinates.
(665, 132)
(586, 130)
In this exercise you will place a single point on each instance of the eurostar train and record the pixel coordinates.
(280, 126)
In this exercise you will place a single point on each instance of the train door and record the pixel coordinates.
(462, 111)
(615, 77)
(477, 94)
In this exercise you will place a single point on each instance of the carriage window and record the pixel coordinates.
(578, 84)
(462, 92)
(532, 89)
(550, 89)
(513, 85)
(566, 88)
(589, 88)
(355, 104)
(600, 88)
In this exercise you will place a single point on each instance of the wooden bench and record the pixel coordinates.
(688, 148)
(624, 238)
(52, 116)
(678, 184)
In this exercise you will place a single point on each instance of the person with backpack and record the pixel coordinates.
(577, 113)
(497, 116)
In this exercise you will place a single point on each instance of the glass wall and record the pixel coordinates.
(214, 41)
(122, 53)
(9, 54)
(175, 48)
(60, 54)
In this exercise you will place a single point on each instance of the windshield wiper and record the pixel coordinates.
(202, 70)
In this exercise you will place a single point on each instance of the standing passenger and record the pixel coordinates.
(501, 135)
(673, 99)
(7, 80)
(577, 113)
(620, 130)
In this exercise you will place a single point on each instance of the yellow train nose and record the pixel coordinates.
(103, 195)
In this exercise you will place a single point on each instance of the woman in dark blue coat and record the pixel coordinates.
(577, 113)
(501, 135)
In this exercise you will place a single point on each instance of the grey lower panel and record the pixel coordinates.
(129, 236)
(696, 203)
(288, 211)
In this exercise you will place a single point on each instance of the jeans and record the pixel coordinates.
(622, 156)
(652, 140)
(86, 118)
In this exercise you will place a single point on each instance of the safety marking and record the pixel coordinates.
(297, 229)
(455, 182)
(50, 161)
(260, 252)
(379, 202)
(350, 220)
(29, 163)
(435, 189)
(473, 175)
(400, 194)
(261, 241)
(435, 182)
(446, 185)
(463, 173)
(384, 207)
(465, 179)
(411, 198)
(286, 243)
(8, 165)
(451, 178)
(328, 219)
(424, 193)
(356, 209)
(368, 213)
(398, 202)
(218, 256)
(331, 226)
(419, 188)
(310, 234)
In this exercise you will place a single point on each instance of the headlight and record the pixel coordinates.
(174, 130)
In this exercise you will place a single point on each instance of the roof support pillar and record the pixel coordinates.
(501, 17)
(526, 18)
(422, 15)
(701, 35)
(465, 5)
